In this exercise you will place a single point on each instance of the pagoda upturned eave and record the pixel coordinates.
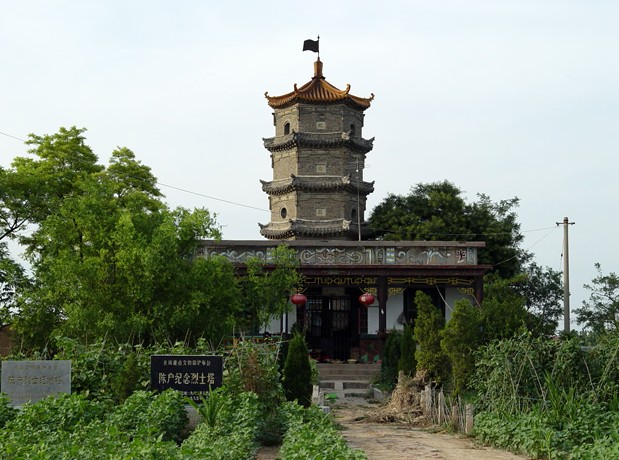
(318, 140)
(318, 91)
(316, 183)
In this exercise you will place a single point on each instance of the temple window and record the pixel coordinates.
(352, 129)
(283, 213)
(286, 128)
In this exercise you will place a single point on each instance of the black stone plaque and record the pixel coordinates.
(194, 376)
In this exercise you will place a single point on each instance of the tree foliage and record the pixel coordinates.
(439, 212)
(600, 313)
(268, 286)
(459, 340)
(108, 257)
(429, 355)
(503, 313)
(542, 291)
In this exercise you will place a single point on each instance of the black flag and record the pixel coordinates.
(310, 45)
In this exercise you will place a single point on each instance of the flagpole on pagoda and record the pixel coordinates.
(312, 45)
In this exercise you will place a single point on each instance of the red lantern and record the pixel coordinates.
(298, 299)
(366, 299)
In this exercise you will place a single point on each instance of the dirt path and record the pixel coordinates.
(394, 441)
(399, 442)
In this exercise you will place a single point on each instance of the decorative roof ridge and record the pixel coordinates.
(319, 91)
(294, 182)
(288, 141)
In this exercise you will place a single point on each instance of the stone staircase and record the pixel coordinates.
(346, 380)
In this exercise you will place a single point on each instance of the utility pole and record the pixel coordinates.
(566, 274)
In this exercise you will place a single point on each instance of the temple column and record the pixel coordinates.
(383, 295)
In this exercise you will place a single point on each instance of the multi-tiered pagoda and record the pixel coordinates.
(318, 157)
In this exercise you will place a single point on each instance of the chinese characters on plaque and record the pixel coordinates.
(193, 376)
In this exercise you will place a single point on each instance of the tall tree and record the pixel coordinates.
(600, 313)
(429, 323)
(438, 211)
(543, 298)
(459, 340)
(268, 286)
(109, 258)
(503, 313)
(12, 278)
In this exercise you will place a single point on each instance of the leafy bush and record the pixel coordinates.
(312, 434)
(59, 413)
(550, 398)
(145, 414)
(101, 370)
(526, 433)
(219, 441)
(7, 412)
(253, 366)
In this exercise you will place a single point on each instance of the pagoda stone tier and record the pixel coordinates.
(318, 157)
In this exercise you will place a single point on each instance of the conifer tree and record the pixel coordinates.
(428, 325)
(407, 363)
(297, 379)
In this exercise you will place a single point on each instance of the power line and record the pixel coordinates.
(173, 187)
(212, 197)
(14, 137)
(397, 232)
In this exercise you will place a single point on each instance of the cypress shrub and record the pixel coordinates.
(297, 379)
(407, 362)
(430, 357)
(391, 357)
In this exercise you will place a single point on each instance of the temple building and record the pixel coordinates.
(317, 198)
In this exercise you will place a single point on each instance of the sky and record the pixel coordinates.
(502, 97)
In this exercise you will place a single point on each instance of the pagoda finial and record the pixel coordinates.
(318, 69)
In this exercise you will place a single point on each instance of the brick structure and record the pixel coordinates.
(318, 156)
(318, 203)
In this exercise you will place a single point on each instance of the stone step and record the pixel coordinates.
(346, 385)
(347, 372)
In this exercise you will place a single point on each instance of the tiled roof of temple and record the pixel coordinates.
(319, 91)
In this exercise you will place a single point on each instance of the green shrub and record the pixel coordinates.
(428, 325)
(459, 340)
(253, 366)
(145, 414)
(57, 413)
(391, 358)
(407, 363)
(128, 378)
(233, 435)
(312, 434)
(297, 379)
(7, 412)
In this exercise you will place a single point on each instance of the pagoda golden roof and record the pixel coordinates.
(318, 91)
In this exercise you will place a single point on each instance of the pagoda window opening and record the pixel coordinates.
(352, 129)
(283, 213)
(286, 128)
